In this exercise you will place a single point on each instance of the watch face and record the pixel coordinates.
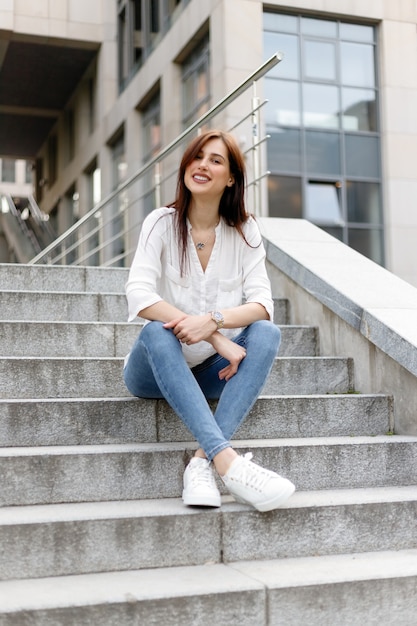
(218, 318)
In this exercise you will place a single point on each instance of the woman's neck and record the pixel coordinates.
(203, 217)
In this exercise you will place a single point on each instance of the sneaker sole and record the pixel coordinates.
(213, 501)
(272, 504)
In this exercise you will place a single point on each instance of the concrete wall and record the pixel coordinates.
(363, 311)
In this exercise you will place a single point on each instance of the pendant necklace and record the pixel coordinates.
(201, 244)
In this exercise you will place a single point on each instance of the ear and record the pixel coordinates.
(231, 181)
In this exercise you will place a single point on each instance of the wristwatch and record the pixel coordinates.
(217, 317)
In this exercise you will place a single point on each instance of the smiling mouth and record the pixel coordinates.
(200, 179)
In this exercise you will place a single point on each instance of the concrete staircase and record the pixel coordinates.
(92, 528)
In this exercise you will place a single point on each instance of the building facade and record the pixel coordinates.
(89, 91)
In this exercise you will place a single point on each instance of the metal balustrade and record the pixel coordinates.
(107, 234)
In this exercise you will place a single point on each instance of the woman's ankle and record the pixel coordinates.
(200, 454)
(223, 460)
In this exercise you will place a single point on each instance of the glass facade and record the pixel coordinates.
(322, 118)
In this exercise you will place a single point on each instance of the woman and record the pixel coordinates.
(195, 262)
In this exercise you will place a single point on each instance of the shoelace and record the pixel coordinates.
(252, 475)
(202, 474)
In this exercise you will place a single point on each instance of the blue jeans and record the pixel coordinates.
(156, 368)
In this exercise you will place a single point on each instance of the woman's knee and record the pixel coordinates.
(266, 336)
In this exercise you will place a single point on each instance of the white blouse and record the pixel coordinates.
(235, 273)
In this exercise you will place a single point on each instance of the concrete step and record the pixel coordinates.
(63, 539)
(74, 306)
(311, 590)
(38, 377)
(189, 596)
(62, 278)
(85, 339)
(132, 420)
(47, 475)
(63, 306)
(377, 589)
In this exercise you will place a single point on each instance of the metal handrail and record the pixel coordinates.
(168, 149)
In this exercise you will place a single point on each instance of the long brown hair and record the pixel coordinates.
(232, 203)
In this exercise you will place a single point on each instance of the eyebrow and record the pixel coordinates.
(214, 154)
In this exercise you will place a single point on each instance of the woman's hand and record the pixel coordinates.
(191, 329)
(229, 350)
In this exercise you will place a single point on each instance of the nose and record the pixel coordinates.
(203, 163)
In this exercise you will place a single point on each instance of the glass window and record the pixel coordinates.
(362, 156)
(320, 60)
(29, 172)
(196, 83)
(323, 153)
(320, 106)
(320, 28)
(323, 203)
(151, 124)
(289, 67)
(333, 231)
(283, 108)
(116, 225)
(285, 196)
(284, 151)
(359, 109)
(367, 241)
(8, 170)
(364, 202)
(357, 32)
(357, 64)
(281, 23)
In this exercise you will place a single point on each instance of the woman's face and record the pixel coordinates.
(208, 174)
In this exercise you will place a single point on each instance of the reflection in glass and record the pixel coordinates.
(368, 242)
(321, 28)
(333, 231)
(284, 196)
(364, 202)
(357, 63)
(362, 156)
(320, 60)
(283, 108)
(322, 153)
(277, 21)
(320, 105)
(284, 151)
(288, 44)
(359, 109)
(356, 32)
(323, 203)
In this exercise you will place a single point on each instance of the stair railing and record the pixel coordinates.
(108, 233)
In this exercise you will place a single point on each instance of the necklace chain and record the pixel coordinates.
(200, 245)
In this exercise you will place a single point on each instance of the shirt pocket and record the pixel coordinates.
(230, 292)
(178, 287)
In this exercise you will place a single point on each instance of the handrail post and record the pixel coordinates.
(157, 179)
(256, 153)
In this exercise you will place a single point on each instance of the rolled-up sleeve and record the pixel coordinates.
(256, 283)
(145, 273)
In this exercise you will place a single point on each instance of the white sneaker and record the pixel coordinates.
(251, 484)
(200, 487)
